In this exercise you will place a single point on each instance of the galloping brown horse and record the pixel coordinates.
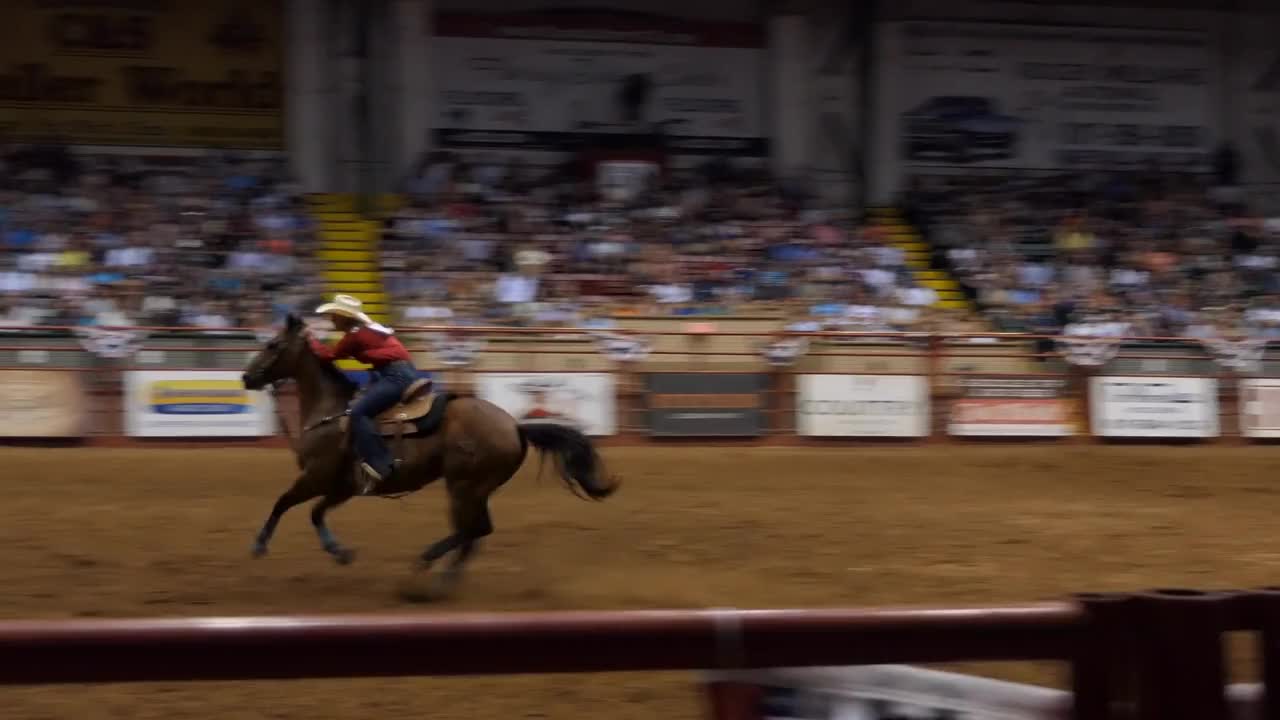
(476, 448)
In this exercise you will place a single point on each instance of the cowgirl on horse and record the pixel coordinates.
(393, 371)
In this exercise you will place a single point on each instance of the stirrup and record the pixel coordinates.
(369, 479)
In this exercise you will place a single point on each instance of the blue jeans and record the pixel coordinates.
(385, 388)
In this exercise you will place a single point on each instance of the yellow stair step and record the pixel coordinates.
(343, 254)
(370, 277)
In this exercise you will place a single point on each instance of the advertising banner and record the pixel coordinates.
(862, 405)
(142, 73)
(41, 404)
(195, 403)
(1048, 97)
(1255, 99)
(583, 400)
(706, 404)
(546, 81)
(896, 692)
(1154, 406)
(1260, 407)
(1012, 406)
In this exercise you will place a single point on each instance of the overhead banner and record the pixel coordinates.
(164, 73)
(1012, 406)
(555, 80)
(1260, 407)
(41, 404)
(862, 405)
(582, 400)
(195, 403)
(1154, 407)
(1047, 97)
(706, 404)
(1255, 101)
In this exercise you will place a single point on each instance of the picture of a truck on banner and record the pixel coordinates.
(958, 129)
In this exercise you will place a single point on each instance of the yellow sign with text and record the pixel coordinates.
(174, 73)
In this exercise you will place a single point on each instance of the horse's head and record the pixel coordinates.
(278, 359)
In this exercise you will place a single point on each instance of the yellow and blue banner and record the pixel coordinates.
(195, 403)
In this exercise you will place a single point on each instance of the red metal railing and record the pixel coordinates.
(1149, 656)
(41, 652)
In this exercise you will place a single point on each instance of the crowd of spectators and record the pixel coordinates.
(221, 241)
(483, 240)
(115, 241)
(1161, 254)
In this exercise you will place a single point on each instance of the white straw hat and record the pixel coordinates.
(346, 306)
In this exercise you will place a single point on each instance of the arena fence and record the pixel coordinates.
(1150, 656)
(735, 379)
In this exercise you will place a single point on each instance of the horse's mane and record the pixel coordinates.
(332, 373)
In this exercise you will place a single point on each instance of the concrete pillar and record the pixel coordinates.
(789, 95)
(412, 74)
(308, 86)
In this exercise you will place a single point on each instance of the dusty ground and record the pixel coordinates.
(128, 533)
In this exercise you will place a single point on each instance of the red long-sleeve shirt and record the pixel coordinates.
(365, 345)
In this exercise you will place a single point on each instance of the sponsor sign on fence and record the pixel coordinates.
(1260, 407)
(863, 405)
(704, 404)
(583, 400)
(41, 404)
(194, 403)
(1011, 406)
(1154, 406)
(893, 692)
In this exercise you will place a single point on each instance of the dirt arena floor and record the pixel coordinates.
(167, 532)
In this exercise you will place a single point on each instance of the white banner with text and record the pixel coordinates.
(1154, 407)
(582, 400)
(862, 405)
(966, 94)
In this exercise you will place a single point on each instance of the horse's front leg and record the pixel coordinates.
(343, 555)
(303, 490)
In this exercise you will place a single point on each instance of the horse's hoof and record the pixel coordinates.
(433, 589)
(259, 550)
(343, 556)
(444, 585)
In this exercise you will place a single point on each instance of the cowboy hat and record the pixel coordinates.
(346, 306)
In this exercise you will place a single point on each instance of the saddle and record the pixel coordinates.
(410, 415)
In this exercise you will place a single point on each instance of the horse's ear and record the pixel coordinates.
(293, 323)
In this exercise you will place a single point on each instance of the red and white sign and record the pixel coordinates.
(1011, 417)
(1260, 407)
(1032, 407)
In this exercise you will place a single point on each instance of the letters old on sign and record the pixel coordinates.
(154, 72)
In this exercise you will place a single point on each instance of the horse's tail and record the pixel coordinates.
(576, 458)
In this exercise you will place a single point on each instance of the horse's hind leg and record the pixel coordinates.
(471, 522)
(299, 493)
(342, 555)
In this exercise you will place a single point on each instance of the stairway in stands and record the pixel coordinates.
(349, 250)
(904, 236)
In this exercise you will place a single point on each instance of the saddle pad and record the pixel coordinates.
(423, 416)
